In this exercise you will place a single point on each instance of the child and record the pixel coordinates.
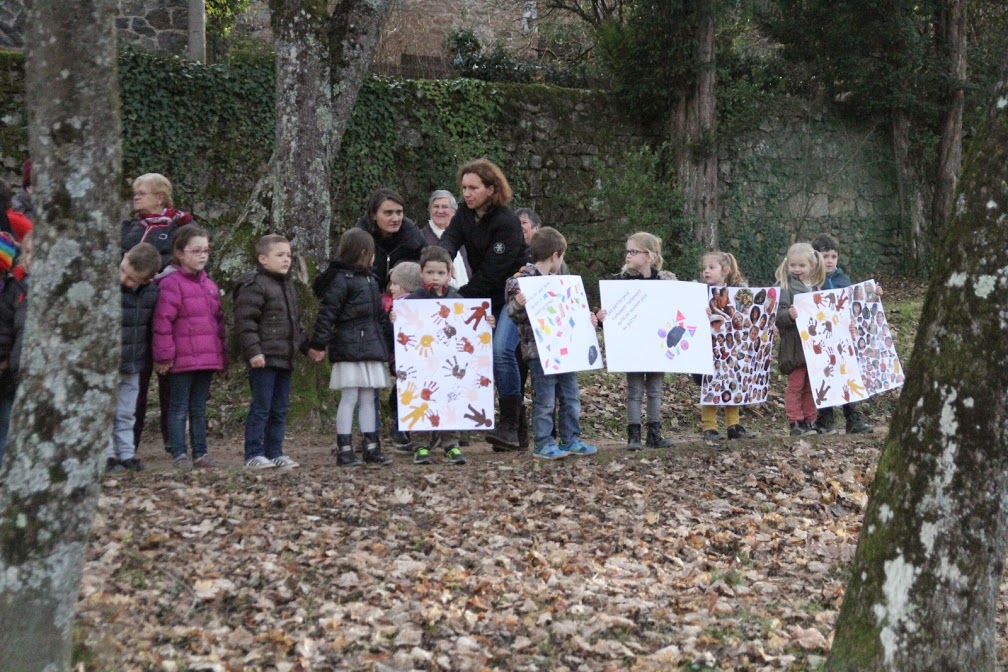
(436, 273)
(643, 262)
(189, 343)
(139, 297)
(720, 269)
(403, 280)
(270, 334)
(829, 247)
(351, 324)
(800, 271)
(547, 249)
(13, 310)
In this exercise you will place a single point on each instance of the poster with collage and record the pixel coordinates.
(561, 321)
(656, 326)
(742, 336)
(444, 364)
(848, 344)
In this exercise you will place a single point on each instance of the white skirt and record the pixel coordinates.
(359, 374)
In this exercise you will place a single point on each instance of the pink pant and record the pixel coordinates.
(798, 402)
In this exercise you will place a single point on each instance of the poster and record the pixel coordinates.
(561, 321)
(847, 343)
(742, 335)
(444, 364)
(656, 326)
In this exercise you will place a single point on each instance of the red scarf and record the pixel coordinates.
(441, 294)
(168, 216)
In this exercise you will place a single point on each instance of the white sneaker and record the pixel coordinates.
(284, 462)
(259, 462)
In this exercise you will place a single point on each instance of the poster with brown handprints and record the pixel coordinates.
(742, 335)
(444, 364)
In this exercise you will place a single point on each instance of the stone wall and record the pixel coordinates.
(12, 24)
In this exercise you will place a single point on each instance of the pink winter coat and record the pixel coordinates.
(189, 323)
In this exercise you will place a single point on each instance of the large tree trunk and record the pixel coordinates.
(63, 409)
(197, 30)
(909, 191)
(950, 34)
(925, 578)
(694, 124)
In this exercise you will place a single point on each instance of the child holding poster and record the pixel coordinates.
(547, 249)
(801, 270)
(720, 269)
(643, 262)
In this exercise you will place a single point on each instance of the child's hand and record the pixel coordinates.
(315, 355)
(878, 290)
(709, 313)
(793, 312)
(600, 315)
(162, 367)
(391, 315)
(258, 362)
(594, 320)
(491, 320)
(520, 299)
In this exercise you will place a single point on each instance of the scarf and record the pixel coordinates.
(167, 216)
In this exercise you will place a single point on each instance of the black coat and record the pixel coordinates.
(496, 247)
(137, 310)
(425, 293)
(135, 231)
(266, 318)
(351, 321)
(403, 245)
(13, 312)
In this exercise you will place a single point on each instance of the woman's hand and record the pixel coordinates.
(520, 299)
(600, 315)
(315, 355)
(793, 312)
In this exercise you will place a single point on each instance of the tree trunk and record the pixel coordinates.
(197, 30)
(693, 131)
(63, 409)
(925, 577)
(909, 192)
(950, 34)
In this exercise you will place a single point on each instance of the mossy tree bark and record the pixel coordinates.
(926, 574)
(70, 362)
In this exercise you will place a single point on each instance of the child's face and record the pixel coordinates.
(713, 272)
(799, 267)
(637, 258)
(395, 289)
(278, 259)
(556, 263)
(24, 259)
(129, 277)
(195, 255)
(435, 274)
(830, 260)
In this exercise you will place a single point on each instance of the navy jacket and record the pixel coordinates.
(137, 310)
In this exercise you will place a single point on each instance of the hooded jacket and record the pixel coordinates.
(189, 323)
(403, 245)
(351, 321)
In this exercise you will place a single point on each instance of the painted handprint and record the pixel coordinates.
(465, 345)
(458, 308)
(408, 393)
(428, 391)
(817, 347)
(811, 327)
(484, 381)
(435, 419)
(442, 313)
(485, 339)
(452, 366)
(404, 339)
(402, 374)
(828, 328)
(424, 347)
(828, 371)
(846, 393)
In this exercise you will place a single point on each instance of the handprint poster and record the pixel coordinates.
(558, 310)
(843, 333)
(444, 364)
(742, 336)
(656, 326)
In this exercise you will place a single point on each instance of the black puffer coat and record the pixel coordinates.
(266, 318)
(403, 245)
(351, 321)
(13, 312)
(137, 310)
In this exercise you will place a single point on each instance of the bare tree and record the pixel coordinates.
(925, 578)
(63, 408)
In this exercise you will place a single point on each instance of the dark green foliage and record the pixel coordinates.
(470, 59)
(13, 136)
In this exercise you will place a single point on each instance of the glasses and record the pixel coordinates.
(198, 251)
(634, 253)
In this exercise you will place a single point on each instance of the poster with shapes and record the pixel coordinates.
(444, 364)
(656, 326)
(880, 366)
(824, 324)
(742, 337)
(558, 310)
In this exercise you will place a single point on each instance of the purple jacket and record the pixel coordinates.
(189, 323)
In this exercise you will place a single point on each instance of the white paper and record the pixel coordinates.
(558, 311)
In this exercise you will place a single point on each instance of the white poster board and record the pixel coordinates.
(656, 325)
(444, 364)
(558, 311)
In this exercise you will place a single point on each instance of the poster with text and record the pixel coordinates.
(742, 336)
(874, 343)
(558, 310)
(656, 325)
(444, 364)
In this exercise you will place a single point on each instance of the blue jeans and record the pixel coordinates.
(121, 444)
(189, 394)
(6, 408)
(545, 391)
(266, 421)
(505, 363)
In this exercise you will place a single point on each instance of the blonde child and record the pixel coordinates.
(403, 281)
(720, 269)
(643, 261)
(351, 324)
(801, 270)
(189, 343)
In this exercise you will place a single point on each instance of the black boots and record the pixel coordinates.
(523, 426)
(372, 450)
(654, 437)
(505, 435)
(634, 437)
(345, 456)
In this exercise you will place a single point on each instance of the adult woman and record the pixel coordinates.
(493, 239)
(396, 237)
(442, 206)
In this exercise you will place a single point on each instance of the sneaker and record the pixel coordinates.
(739, 432)
(132, 464)
(801, 428)
(422, 455)
(401, 443)
(181, 462)
(257, 462)
(463, 441)
(112, 464)
(549, 451)
(578, 447)
(824, 429)
(284, 462)
(712, 436)
(454, 455)
(205, 462)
